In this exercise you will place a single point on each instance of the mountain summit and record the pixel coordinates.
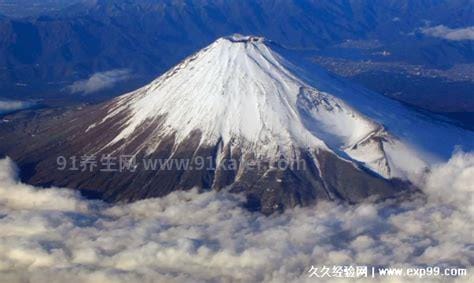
(246, 100)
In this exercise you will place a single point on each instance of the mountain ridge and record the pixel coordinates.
(247, 100)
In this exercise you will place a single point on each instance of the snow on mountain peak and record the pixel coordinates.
(244, 38)
(240, 91)
(237, 88)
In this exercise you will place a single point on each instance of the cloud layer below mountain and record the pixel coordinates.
(52, 235)
(445, 32)
(100, 81)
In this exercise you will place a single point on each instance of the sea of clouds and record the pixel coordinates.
(53, 235)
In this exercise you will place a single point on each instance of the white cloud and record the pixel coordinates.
(13, 105)
(445, 32)
(100, 81)
(52, 235)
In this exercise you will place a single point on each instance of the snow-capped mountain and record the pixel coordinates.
(239, 90)
(246, 99)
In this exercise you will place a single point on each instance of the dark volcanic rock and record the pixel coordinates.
(36, 143)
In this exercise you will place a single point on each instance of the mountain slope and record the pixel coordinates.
(249, 102)
(239, 88)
